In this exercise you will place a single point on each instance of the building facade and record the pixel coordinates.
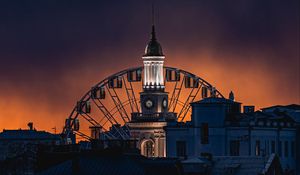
(219, 128)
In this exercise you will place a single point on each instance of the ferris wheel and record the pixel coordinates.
(105, 109)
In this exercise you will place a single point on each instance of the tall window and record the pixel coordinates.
(273, 146)
(293, 149)
(234, 148)
(181, 148)
(204, 133)
(279, 148)
(286, 149)
(148, 148)
(267, 147)
(257, 148)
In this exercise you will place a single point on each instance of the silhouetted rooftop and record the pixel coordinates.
(291, 106)
(257, 116)
(215, 100)
(246, 165)
(26, 135)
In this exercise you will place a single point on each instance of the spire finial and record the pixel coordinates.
(231, 96)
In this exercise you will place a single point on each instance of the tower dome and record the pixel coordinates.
(153, 48)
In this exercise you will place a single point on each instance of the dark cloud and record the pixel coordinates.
(54, 50)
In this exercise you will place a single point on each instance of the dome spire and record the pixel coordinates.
(153, 37)
(153, 48)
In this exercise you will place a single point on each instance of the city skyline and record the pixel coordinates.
(52, 53)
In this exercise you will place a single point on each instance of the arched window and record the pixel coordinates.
(148, 148)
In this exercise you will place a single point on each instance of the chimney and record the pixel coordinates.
(30, 125)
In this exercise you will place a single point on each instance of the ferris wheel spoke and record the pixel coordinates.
(192, 100)
(111, 119)
(115, 98)
(103, 119)
(186, 107)
(81, 134)
(105, 112)
(89, 119)
(131, 96)
(108, 134)
(105, 122)
(175, 95)
(114, 110)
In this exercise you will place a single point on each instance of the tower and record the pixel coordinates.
(154, 99)
(147, 126)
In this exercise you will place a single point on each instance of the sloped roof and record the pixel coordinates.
(217, 100)
(246, 165)
(195, 160)
(291, 106)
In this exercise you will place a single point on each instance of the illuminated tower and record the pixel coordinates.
(154, 99)
(153, 64)
(147, 127)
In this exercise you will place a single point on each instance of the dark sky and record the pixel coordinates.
(52, 52)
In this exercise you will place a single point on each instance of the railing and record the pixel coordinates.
(153, 117)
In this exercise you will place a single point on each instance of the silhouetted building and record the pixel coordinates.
(218, 128)
(18, 149)
(14, 142)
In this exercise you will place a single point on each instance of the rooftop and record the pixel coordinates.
(291, 106)
(246, 165)
(214, 100)
(27, 134)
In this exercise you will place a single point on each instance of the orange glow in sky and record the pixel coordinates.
(252, 83)
(51, 53)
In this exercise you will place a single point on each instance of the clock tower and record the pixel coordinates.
(147, 126)
(154, 99)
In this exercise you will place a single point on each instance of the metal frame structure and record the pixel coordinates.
(118, 115)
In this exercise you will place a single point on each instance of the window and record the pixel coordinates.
(292, 149)
(257, 148)
(286, 149)
(279, 149)
(234, 148)
(148, 148)
(181, 148)
(204, 133)
(273, 146)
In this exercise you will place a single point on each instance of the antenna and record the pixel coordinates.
(153, 18)
(153, 37)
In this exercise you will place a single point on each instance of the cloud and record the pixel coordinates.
(52, 52)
